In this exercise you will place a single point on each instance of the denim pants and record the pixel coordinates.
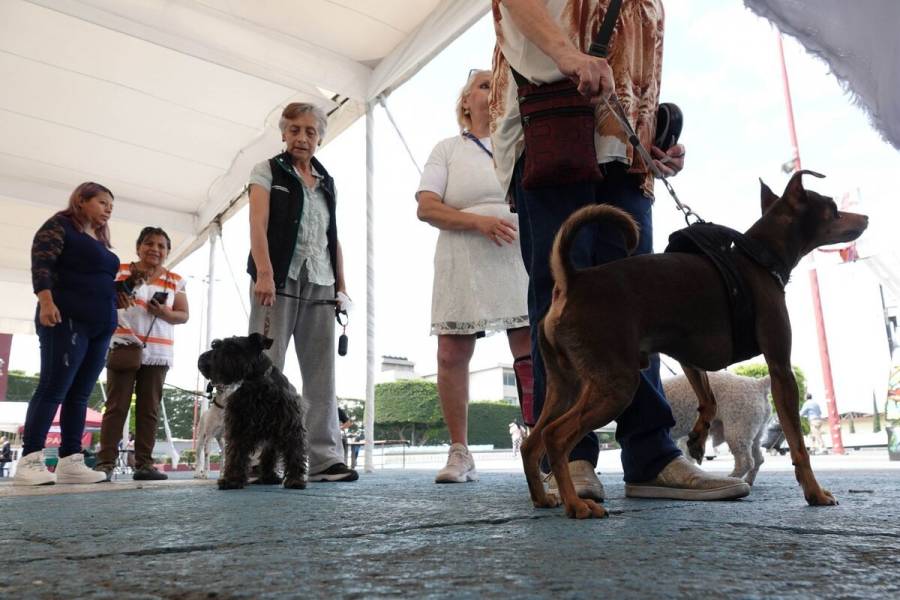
(72, 355)
(643, 428)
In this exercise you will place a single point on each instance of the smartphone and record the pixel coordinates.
(160, 297)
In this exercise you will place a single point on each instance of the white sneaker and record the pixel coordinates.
(72, 469)
(460, 466)
(32, 471)
(587, 484)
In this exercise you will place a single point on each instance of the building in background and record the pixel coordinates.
(490, 384)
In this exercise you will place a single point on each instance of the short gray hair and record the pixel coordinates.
(295, 109)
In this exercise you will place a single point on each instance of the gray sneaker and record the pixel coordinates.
(584, 478)
(107, 469)
(683, 480)
(460, 466)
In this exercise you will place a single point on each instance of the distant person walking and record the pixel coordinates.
(813, 413)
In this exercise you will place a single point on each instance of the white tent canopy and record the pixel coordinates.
(170, 103)
(859, 43)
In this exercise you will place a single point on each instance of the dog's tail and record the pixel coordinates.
(560, 262)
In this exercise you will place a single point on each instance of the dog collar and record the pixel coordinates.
(761, 255)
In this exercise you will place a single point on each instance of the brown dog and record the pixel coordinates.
(594, 344)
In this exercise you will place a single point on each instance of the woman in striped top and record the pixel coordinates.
(158, 305)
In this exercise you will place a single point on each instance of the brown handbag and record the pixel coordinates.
(558, 123)
(124, 357)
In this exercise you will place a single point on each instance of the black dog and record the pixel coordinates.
(264, 412)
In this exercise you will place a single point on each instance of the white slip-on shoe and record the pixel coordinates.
(31, 470)
(584, 478)
(683, 480)
(71, 469)
(460, 466)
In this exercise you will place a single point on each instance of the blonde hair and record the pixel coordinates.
(464, 120)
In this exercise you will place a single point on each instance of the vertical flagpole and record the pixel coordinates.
(370, 288)
(834, 419)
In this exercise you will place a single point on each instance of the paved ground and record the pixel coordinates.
(396, 534)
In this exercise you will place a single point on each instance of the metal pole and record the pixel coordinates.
(370, 289)
(214, 229)
(834, 419)
(390, 117)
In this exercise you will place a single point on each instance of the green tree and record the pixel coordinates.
(20, 388)
(403, 408)
(180, 411)
(760, 370)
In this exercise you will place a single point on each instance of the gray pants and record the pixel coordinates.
(312, 326)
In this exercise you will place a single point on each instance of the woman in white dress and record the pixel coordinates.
(480, 283)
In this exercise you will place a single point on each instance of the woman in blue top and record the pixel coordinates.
(73, 273)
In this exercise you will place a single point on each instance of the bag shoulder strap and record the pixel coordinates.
(153, 322)
(599, 45)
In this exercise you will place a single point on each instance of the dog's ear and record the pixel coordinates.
(260, 341)
(794, 191)
(766, 196)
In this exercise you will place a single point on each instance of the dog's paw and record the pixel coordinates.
(270, 479)
(821, 497)
(230, 484)
(295, 484)
(586, 509)
(548, 501)
(697, 446)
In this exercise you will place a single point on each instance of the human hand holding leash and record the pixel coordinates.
(669, 162)
(592, 74)
(264, 290)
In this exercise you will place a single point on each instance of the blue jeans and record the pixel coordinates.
(643, 429)
(72, 356)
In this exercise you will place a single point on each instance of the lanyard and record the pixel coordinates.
(472, 137)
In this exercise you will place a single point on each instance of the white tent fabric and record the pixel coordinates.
(12, 416)
(858, 41)
(170, 103)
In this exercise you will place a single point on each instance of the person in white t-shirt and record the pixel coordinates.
(158, 305)
(480, 283)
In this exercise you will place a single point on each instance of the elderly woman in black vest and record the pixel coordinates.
(295, 260)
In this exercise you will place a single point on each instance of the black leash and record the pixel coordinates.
(338, 315)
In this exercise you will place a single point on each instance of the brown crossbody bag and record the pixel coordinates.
(558, 123)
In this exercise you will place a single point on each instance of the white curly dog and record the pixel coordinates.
(212, 427)
(742, 412)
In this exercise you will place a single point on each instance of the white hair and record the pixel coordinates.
(295, 109)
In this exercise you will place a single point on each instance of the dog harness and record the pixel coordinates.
(721, 244)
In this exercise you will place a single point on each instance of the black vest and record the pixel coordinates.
(285, 208)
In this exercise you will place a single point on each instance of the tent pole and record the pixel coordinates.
(390, 117)
(370, 288)
(214, 230)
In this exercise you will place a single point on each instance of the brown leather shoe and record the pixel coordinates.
(683, 480)
(584, 478)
